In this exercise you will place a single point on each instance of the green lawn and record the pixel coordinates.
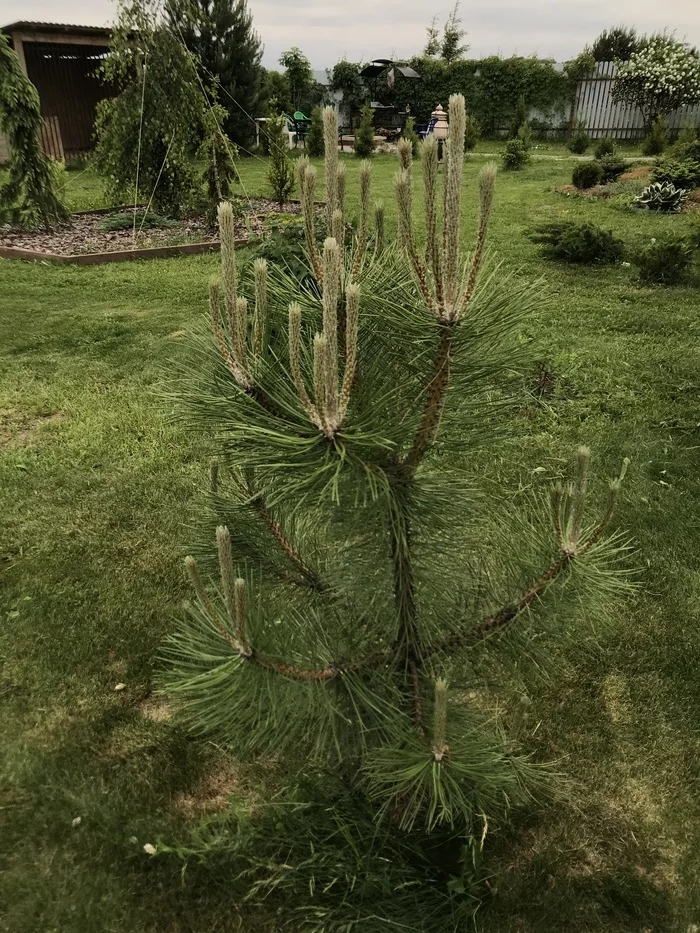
(97, 490)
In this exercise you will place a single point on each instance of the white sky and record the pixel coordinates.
(328, 30)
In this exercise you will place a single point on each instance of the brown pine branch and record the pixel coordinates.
(499, 620)
(435, 398)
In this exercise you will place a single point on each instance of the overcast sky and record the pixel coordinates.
(360, 30)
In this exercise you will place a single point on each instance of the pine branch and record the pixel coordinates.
(436, 392)
(309, 577)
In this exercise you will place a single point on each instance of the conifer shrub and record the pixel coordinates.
(519, 118)
(579, 140)
(687, 146)
(656, 141)
(587, 175)
(665, 261)
(369, 609)
(472, 133)
(525, 135)
(280, 174)
(410, 134)
(604, 147)
(578, 243)
(515, 155)
(314, 138)
(364, 135)
(124, 220)
(612, 167)
(680, 174)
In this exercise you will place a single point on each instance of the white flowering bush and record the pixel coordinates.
(659, 77)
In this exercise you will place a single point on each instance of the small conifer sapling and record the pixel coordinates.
(344, 619)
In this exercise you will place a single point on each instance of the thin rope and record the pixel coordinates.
(240, 107)
(153, 193)
(190, 57)
(138, 155)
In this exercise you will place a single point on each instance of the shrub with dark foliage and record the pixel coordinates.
(580, 140)
(515, 155)
(604, 147)
(665, 261)
(314, 138)
(612, 167)
(587, 175)
(683, 174)
(578, 242)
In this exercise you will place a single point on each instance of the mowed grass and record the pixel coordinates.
(98, 488)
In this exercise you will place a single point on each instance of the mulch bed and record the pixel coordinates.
(84, 236)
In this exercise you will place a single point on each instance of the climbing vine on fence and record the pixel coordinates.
(29, 197)
(491, 86)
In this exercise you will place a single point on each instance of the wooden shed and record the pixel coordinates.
(61, 61)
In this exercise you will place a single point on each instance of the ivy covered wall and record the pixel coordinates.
(491, 87)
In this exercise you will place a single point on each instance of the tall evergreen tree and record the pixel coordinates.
(616, 44)
(221, 34)
(358, 570)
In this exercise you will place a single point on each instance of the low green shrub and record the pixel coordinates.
(605, 146)
(662, 196)
(515, 155)
(569, 241)
(580, 140)
(665, 261)
(587, 175)
(472, 133)
(657, 140)
(613, 166)
(125, 221)
(684, 173)
(285, 245)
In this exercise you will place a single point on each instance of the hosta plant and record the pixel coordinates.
(365, 615)
(662, 196)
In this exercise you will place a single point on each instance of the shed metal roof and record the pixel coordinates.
(29, 26)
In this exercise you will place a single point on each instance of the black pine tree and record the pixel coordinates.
(358, 569)
(221, 34)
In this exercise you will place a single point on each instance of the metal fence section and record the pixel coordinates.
(603, 117)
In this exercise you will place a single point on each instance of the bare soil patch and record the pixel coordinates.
(213, 793)
(18, 430)
(643, 171)
(83, 234)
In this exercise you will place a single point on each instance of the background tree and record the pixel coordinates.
(153, 72)
(218, 154)
(314, 138)
(617, 44)
(660, 77)
(449, 45)
(452, 47)
(299, 75)
(364, 134)
(432, 44)
(280, 173)
(345, 78)
(372, 614)
(30, 195)
(275, 93)
(221, 34)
